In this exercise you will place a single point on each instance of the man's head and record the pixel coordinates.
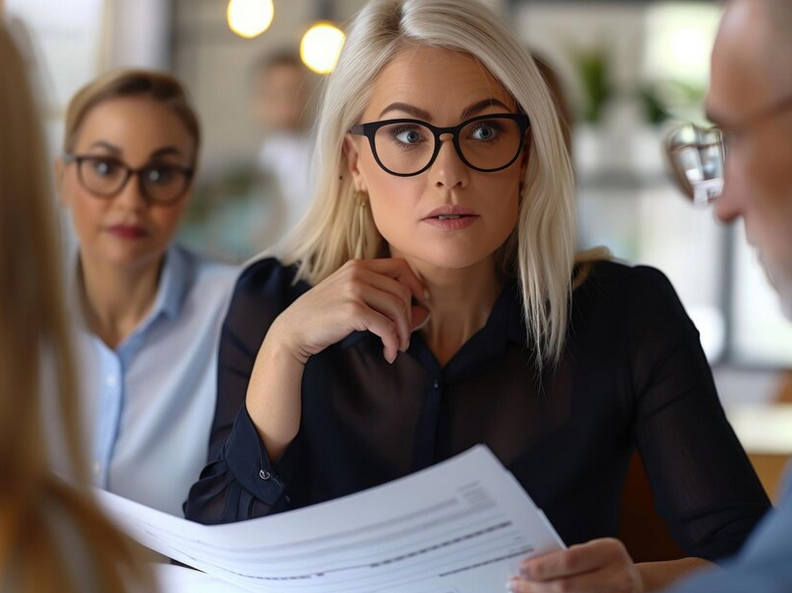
(281, 90)
(750, 97)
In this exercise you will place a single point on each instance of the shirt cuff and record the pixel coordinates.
(247, 459)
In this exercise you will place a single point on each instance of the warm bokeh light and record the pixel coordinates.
(248, 18)
(320, 47)
(682, 35)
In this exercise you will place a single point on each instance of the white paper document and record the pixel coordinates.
(175, 579)
(461, 526)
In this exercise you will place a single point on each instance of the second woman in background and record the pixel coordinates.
(149, 311)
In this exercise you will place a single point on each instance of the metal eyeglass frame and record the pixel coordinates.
(711, 188)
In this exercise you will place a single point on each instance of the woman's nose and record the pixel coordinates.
(448, 170)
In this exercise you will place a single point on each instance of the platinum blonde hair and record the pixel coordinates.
(541, 251)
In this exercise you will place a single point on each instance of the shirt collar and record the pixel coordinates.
(508, 315)
(171, 290)
(173, 285)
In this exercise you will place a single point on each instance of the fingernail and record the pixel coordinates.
(511, 584)
(390, 359)
(426, 294)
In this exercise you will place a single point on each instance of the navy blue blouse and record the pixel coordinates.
(633, 375)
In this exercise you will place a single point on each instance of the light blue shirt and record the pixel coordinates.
(151, 400)
(764, 565)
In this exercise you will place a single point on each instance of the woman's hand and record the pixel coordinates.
(598, 566)
(374, 295)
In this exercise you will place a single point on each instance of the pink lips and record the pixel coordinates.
(127, 231)
(451, 218)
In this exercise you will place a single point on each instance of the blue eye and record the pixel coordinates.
(160, 175)
(408, 136)
(104, 168)
(485, 131)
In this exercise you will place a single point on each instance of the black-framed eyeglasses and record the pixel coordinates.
(407, 147)
(105, 176)
(698, 155)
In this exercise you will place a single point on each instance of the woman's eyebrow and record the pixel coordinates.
(407, 108)
(482, 105)
(107, 146)
(166, 151)
(425, 115)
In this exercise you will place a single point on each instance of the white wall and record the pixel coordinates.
(141, 34)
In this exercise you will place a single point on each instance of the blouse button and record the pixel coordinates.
(436, 384)
(264, 475)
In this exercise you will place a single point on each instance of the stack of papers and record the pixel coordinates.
(462, 526)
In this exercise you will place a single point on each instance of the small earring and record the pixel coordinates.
(361, 200)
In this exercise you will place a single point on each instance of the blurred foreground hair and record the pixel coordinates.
(52, 535)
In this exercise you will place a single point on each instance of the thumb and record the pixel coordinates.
(420, 317)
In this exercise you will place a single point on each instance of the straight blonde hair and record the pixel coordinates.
(541, 251)
(35, 339)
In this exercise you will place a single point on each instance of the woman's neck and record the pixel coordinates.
(115, 300)
(460, 302)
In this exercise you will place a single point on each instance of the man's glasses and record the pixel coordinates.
(407, 147)
(104, 177)
(698, 155)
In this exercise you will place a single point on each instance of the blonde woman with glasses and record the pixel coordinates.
(433, 299)
(147, 311)
(52, 536)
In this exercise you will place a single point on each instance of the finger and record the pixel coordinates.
(392, 307)
(400, 270)
(392, 286)
(575, 560)
(367, 319)
(420, 317)
(518, 585)
(418, 314)
(587, 583)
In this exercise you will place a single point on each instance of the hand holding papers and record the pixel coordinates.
(461, 526)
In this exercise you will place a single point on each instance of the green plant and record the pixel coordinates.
(593, 69)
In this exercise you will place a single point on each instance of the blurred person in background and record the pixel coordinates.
(52, 536)
(750, 101)
(434, 299)
(282, 88)
(147, 311)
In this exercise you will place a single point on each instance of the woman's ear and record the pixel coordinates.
(526, 155)
(352, 156)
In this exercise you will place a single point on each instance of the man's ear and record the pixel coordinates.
(352, 155)
(59, 168)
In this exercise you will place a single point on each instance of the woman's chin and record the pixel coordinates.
(447, 259)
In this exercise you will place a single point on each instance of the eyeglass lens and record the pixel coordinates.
(697, 157)
(407, 148)
(106, 177)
